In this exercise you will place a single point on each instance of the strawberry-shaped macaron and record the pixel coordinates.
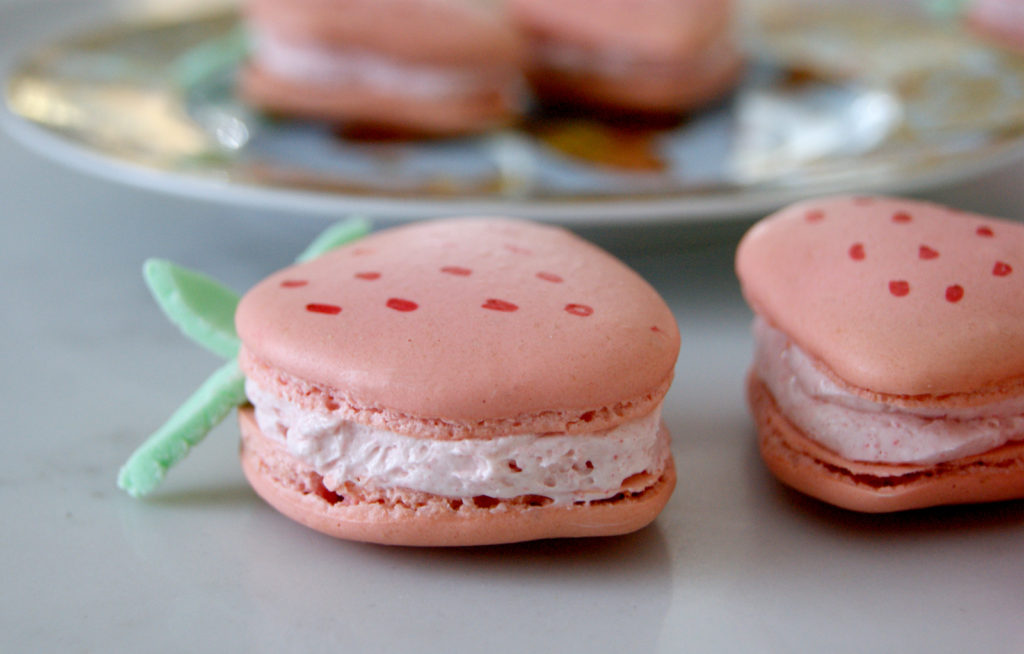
(432, 67)
(632, 56)
(456, 382)
(889, 368)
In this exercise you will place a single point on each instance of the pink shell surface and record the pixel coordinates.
(894, 296)
(465, 320)
(465, 33)
(648, 29)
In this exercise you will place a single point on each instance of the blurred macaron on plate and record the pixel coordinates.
(540, 110)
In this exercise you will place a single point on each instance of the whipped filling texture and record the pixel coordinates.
(616, 63)
(331, 66)
(564, 468)
(860, 429)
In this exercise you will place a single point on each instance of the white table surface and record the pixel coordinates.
(735, 562)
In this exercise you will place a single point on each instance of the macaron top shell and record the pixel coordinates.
(466, 320)
(894, 296)
(656, 30)
(469, 33)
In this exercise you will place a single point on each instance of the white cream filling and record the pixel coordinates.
(860, 429)
(561, 467)
(618, 63)
(340, 67)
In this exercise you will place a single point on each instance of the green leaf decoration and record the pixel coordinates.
(210, 58)
(205, 311)
(202, 308)
(201, 412)
(947, 9)
(335, 236)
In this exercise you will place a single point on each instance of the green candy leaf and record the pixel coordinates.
(335, 236)
(946, 9)
(203, 309)
(217, 55)
(201, 412)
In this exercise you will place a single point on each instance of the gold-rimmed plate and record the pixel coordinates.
(837, 97)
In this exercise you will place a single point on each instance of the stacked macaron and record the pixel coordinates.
(655, 56)
(444, 67)
(459, 382)
(889, 371)
(433, 67)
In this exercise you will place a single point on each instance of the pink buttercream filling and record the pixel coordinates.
(860, 429)
(572, 58)
(316, 64)
(565, 468)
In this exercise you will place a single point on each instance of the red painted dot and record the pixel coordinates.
(985, 231)
(656, 329)
(499, 305)
(329, 309)
(293, 283)
(899, 288)
(369, 276)
(926, 252)
(954, 293)
(457, 270)
(581, 310)
(1001, 269)
(398, 304)
(857, 252)
(901, 217)
(549, 277)
(814, 215)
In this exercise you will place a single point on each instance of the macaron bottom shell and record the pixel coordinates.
(365, 106)
(640, 92)
(799, 462)
(297, 492)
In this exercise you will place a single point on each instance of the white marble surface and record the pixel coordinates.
(735, 563)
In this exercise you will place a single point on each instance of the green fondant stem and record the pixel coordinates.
(335, 236)
(202, 411)
(204, 311)
(214, 56)
(202, 308)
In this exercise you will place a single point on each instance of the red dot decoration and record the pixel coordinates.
(550, 277)
(655, 329)
(398, 304)
(458, 271)
(899, 287)
(499, 305)
(954, 293)
(329, 309)
(581, 310)
(901, 217)
(925, 252)
(857, 252)
(369, 276)
(985, 231)
(293, 283)
(814, 215)
(1001, 269)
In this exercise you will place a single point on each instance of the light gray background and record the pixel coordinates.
(735, 563)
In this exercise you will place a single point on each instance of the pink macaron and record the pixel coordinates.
(1001, 21)
(426, 67)
(889, 366)
(636, 56)
(459, 382)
